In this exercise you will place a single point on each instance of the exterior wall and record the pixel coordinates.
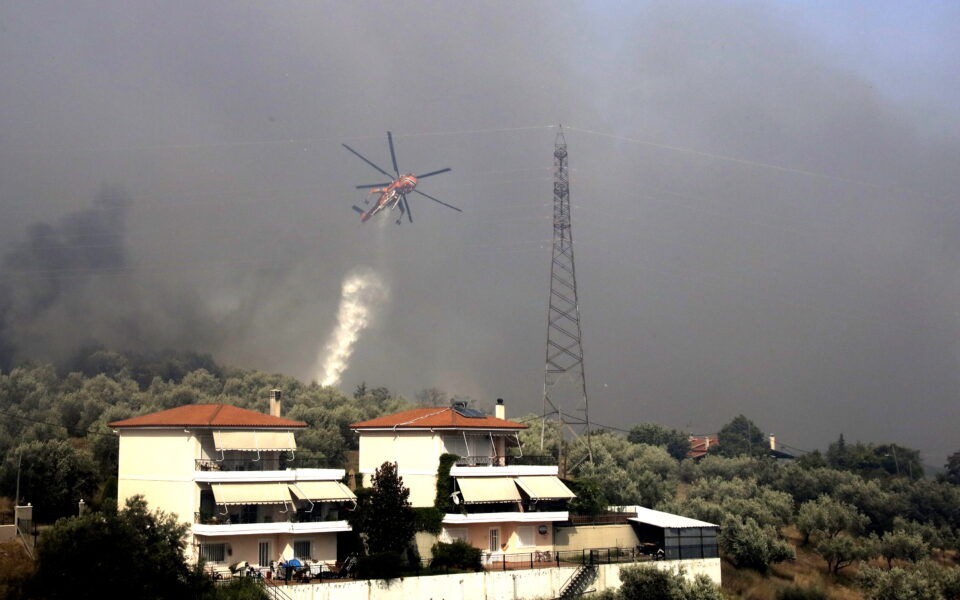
(417, 454)
(596, 536)
(160, 453)
(490, 585)
(159, 464)
(478, 536)
(8, 533)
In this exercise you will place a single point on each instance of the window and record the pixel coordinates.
(495, 539)
(301, 549)
(213, 552)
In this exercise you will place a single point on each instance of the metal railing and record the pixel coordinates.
(537, 460)
(540, 559)
(208, 518)
(537, 559)
(577, 584)
(506, 461)
(300, 460)
(603, 519)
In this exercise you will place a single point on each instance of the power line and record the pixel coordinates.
(754, 163)
(269, 142)
(22, 418)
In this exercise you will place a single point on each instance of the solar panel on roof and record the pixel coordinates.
(470, 413)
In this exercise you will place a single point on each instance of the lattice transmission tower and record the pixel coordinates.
(564, 384)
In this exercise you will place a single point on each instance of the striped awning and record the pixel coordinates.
(254, 440)
(319, 491)
(545, 488)
(488, 489)
(251, 493)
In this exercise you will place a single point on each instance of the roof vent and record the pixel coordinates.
(460, 407)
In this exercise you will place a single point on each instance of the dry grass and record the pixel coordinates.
(807, 571)
(15, 569)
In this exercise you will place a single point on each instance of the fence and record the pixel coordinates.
(509, 562)
(500, 461)
(282, 462)
(540, 559)
(603, 519)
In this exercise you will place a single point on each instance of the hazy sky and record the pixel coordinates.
(764, 198)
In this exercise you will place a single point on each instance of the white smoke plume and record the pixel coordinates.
(362, 292)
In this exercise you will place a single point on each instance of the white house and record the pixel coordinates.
(230, 473)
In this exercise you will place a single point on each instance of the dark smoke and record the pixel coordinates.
(69, 286)
(57, 262)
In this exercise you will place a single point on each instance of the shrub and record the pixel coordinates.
(428, 519)
(651, 583)
(242, 588)
(899, 584)
(443, 502)
(798, 593)
(748, 545)
(456, 555)
(381, 565)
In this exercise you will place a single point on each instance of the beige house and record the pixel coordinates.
(508, 504)
(231, 473)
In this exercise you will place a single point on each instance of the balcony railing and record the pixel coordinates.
(506, 461)
(273, 463)
(206, 518)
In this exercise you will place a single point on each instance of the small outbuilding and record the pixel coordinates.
(673, 537)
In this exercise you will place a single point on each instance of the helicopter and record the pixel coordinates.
(394, 193)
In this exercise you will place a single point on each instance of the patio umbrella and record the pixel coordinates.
(238, 566)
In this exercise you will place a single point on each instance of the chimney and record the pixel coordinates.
(500, 411)
(275, 402)
(773, 442)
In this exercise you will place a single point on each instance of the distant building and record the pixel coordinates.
(700, 445)
(228, 472)
(507, 504)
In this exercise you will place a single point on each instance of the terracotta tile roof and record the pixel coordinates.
(437, 418)
(207, 415)
(699, 445)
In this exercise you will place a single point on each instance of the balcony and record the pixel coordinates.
(506, 461)
(265, 522)
(249, 518)
(266, 463)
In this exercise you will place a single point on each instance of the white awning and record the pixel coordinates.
(488, 489)
(545, 488)
(275, 440)
(254, 440)
(319, 491)
(251, 493)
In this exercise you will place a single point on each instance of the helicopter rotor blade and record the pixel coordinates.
(366, 160)
(393, 155)
(407, 204)
(372, 185)
(432, 173)
(438, 201)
